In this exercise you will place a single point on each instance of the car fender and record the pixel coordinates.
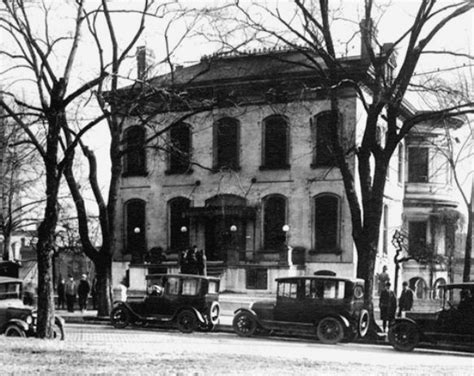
(18, 322)
(345, 321)
(251, 312)
(123, 304)
(404, 319)
(198, 314)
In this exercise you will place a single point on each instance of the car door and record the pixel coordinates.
(288, 304)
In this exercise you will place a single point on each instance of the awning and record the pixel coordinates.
(222, 211)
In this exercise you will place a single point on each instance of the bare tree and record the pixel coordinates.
(33, 51)
(309, 28)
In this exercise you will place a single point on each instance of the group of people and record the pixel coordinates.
(68, 291)
(193, 261)
(388, 303)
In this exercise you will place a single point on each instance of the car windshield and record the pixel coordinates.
(10, 291)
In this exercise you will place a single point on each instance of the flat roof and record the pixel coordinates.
(459, 285)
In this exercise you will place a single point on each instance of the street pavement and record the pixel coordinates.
(256, 355)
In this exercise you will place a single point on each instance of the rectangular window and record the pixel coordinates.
(288, 290)
(257, 279)
(190, 287)
(212, 289)
(10, 291)
(172, 287)
(401, 160)
(418, 165)
(416, 236)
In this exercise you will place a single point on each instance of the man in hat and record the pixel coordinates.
(83, 292)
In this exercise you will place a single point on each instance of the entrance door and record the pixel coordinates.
(224, 235)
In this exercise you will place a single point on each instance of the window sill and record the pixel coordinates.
(331, 251)
(282, 167)
(134, 174)
(217, 169)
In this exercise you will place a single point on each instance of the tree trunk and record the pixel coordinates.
(103, 269)
(466, 275)
(6, 245)
(45, 251)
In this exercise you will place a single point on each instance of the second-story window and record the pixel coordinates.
(226, 144)
(134, 161)
(418, 165)
(180, 148)
(323, 155)
(275, 143)
(417, 236)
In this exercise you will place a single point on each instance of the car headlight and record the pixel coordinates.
(29, 319)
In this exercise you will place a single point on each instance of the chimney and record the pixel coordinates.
(368, 34)
(144, 60)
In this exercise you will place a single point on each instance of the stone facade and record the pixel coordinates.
(223, 210)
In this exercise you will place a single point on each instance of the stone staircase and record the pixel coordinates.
(215, 268)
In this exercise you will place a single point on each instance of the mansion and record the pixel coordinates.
(252, 182)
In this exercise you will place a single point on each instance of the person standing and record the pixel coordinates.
(387, 305)
(83, 292)
(201, 262)
(405, 302)
(383, 278)
(61, 292)
(70, 290)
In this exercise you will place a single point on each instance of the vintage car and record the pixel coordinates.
(18, 319)
(186, 301)
(330, 307)
(453, 323)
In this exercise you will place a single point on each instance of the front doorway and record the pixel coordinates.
(224, 238)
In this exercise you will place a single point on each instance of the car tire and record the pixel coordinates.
(212, 318)
(120, 317)
(244, 324)
(330, 330)
(186, 321)
(404, 336)
(14, 331)
(364, 323)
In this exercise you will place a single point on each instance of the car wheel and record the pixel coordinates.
(14, 331)
(186, 321)
(58, 332)
(244, 324)
(330, 330)
(364, 322)
(403, 336)
(120, 317)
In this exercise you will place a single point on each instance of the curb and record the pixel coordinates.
(223, 328)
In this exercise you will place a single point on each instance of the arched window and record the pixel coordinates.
(179, 148)
(326, 223)
(134, 161)
(178, 224)
(135, 236)
(274, 218)
(437, 291)
(226, 144)
(419, 286)
(323, 155)
(276, 143)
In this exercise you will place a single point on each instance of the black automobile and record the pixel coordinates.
(186, 301)
(330, 307)
(18, 319)
(453, 323)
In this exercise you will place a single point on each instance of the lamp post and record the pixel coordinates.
(286, 230)
(233, 230)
